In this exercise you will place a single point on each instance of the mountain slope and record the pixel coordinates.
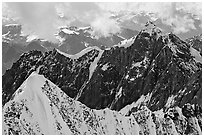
(146, 66)
(153, 70)
(149, 65)
(40, 107)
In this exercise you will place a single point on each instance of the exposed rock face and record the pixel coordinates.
(20, 70)
(159, 72)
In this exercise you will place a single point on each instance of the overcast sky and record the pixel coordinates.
(43, 19)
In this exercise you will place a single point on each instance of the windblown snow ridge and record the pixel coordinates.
(40, 107)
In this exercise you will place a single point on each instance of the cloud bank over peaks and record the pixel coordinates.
(105, 26)
(43, 19)
(91, 14)
(180, 16)
(36, 18)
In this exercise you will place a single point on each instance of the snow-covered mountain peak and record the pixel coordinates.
(152, 29)
(30, 87)
(32, 107)
(139, 81)
(42, 108)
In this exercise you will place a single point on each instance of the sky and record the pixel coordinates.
(44, 19)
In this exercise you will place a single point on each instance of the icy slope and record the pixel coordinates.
(40, 107)
(174, 121)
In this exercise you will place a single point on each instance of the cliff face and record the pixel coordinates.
(151, 70)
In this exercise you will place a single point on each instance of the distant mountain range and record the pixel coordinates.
(72, 40)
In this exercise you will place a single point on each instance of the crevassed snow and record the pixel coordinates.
(196, 55)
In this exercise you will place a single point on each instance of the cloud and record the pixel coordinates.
(105, 26)
(194, 8)
(92, 14)
(36, 18)
(182, 25)
(43, 19)
(180, 16)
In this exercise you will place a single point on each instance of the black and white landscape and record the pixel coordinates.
(102, 68)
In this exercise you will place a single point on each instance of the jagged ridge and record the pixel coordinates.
(161, 67)
(40, 107)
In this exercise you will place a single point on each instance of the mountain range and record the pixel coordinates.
(149, 83)
(71, 40)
